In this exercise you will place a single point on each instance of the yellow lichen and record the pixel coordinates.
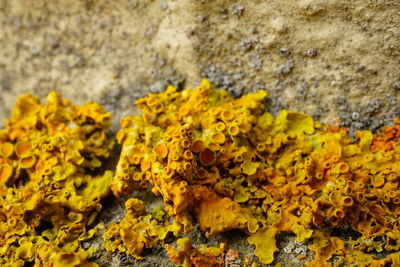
(226, 164)
(188, 256)
(45, 184)
(264, 241)
(138, 230)
(215, 161)
(302, 234)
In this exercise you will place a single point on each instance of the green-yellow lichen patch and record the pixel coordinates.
(249, 167)
(302, 234)
(295, 123)
(264, 241)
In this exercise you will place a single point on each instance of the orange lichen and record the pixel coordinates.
(226, 164)
(324, 248)
(138, 230)
(188, 256)
(6, 172)
(229, 216)
(27, 161)
(6, 149)
(22, 147)
(220, 162)
(388, 139)
(207, 157)
(49, 255)
(161, 150)
(47, 197)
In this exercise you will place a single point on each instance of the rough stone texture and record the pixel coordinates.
(335, 59)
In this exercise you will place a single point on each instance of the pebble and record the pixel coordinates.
(164, 6)
(355, 116)
(237, 10)
(245, 44)
(311, 52)
(284, 52)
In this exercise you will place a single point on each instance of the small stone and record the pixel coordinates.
(396, 85)
(284, 52)
(237, 10)
(355, 116)
(163, 6)
(245, 44)
(375, 104)
(311, 52)
(200, 18)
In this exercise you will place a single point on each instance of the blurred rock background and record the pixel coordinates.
(337, 60)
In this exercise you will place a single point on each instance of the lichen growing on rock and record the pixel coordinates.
(186, 255)
(216, 161)
(137, 231)
(226, 164)
(48, 194)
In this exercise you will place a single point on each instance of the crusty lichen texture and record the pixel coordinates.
(48, 195)
(224, 163)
